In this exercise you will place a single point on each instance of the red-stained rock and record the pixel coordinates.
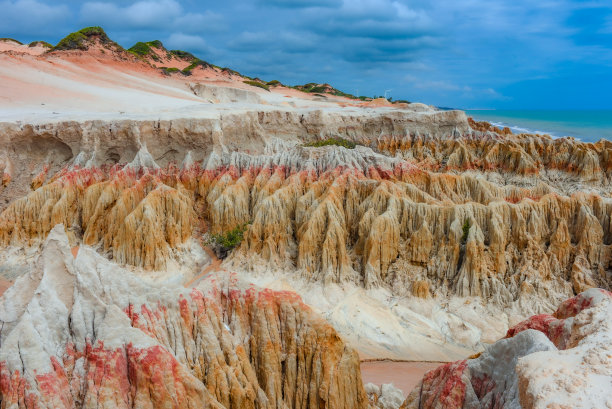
(92, 335)
(514, 372)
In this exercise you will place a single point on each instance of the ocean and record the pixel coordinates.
(588, 126)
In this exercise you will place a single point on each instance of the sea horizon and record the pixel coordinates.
(585, 125)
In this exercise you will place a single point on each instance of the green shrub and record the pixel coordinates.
(155, 43)
(314, 88)
(223, 243)
(140, 49)
(169, 70)
(10, 39)
(196, 63)
(72, 41)
(183, 55)
(317, 89)
(257, 84)
(93, 31)
(42, 43)
(466, 231)
(273, 83)
(79, 39)
(332, 141)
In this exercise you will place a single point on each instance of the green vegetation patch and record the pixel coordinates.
(10, 39)
(314, 88)
(345, 143)
(223, 243)
(79, 40)
(183, 55)
(274, 83)
(155, 43)
(257, 84)
(41, 43)
(196, 63)
(169, 70)
(466, 231)
(140, 49)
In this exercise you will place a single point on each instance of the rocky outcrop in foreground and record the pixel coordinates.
(82, 332)
(563, 360)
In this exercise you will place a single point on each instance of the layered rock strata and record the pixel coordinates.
(82, 332)
(412, 209)
(419, 232)
(558, 360)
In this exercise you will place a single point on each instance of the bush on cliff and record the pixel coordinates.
(196, 63)
(183, 55)
(10, 39)
(140, 49)
(466, 231)
(80, 40)
(223, 243)
(332, 141)
(40, 43)
(257, 84)
(169, 70)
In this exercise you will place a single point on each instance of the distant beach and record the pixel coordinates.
(588, 126)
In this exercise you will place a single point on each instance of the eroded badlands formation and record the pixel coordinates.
(82, 332)
(427, 240)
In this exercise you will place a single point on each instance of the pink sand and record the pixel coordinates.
(403, 375)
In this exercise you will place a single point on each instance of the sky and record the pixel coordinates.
(518, 54)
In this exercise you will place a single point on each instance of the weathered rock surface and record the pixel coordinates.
(385, 396)
(332, 215)
(82, 332)
(560, 360)
(429, 239)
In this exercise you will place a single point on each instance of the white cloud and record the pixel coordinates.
(185, 41)
(149, 14)
(31, 17)
(142, 14)
(198, 22)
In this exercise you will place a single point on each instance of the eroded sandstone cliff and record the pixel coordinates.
(424, 206)
(82, 332)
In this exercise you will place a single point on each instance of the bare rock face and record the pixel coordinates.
(559, 360)
(413, 209)
(83, 332)
(131, 213)
(376, 223)
(385, 396)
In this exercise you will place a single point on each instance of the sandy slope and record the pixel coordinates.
(78, 85)
(8, 46)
